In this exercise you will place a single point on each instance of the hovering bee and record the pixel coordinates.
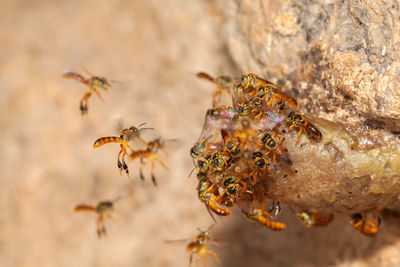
(103, 210)
(367, 227)
(262, 217)
(223, 83)
(271, 143)
(199, 245)
(314, 219)
(125, 136)
(149, 153)
(298, 120)
(94, 83)
(206, 193)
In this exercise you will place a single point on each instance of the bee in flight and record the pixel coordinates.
(150, 153)
(94, 83)
(199, 245)
(103, 210)
(125, 136)
(223, 83)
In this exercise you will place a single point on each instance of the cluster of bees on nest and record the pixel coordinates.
(239, 148)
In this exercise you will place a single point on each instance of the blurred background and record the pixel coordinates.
(153, 49)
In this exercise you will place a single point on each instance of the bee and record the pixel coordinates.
(263, 89)
(149, 153)
(260, 163)
(298, 120)
(234, 186)
(223, 83)
(218, 162)
(125, 135)
(94, 83)
(314, 219)
(199, 246)
(262, 217)
(232, 145)
(103, 210)
(206, 195)
(367, 227)
(256, 107)
(271, 143)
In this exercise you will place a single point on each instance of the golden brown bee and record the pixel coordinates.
(260, 162)
(206, 192)
(94, 83)
(298, 120)
(271, 143)
(367, 227)
(199, 246)
(264, 89)
(125, 136)
(223, 83)
(314, 219)
(218, 162)
(232, 145)
(234, 186)
(149, 153)
(262, 217)
(103, 210)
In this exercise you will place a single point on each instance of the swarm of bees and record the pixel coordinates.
(242, 145)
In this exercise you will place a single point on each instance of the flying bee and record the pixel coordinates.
(199, 245)
(94, 83)
(262, 217)
(103, 210)
(150, 153)
(206, 193)
(298, 120)
(271, 143)
(125, 136)
(223, 83)
(367, 227)
(314, 219)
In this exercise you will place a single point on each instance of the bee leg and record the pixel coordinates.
(119, 162)
(141, 174)
(298, 136)
(124, 166)
(214, 255)
(84, 102)
(153, 179)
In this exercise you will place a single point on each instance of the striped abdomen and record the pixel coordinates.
(108, 139)
(85, 208)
